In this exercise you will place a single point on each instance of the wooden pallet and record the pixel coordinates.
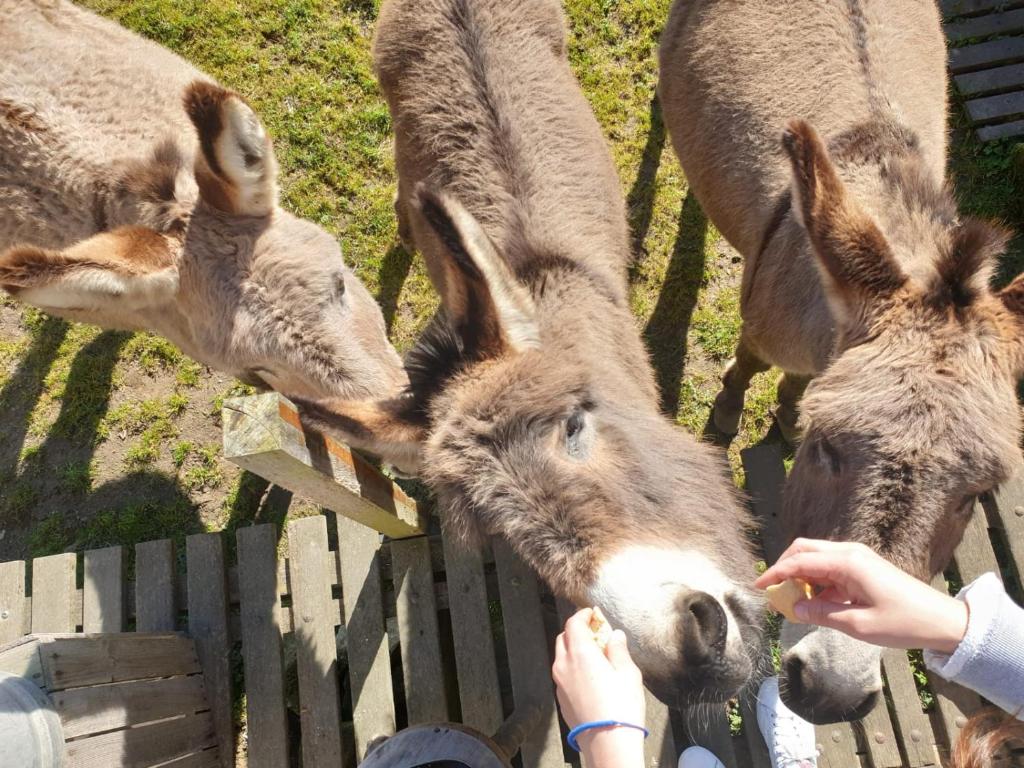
(986, 60)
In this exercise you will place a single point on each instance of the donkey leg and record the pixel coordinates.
(402, 214)
(729, 402)
(791, 389)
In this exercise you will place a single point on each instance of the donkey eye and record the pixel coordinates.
(827, 455)
(573, 429)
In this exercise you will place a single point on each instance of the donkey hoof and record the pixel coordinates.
(787, 422)
(726, 415)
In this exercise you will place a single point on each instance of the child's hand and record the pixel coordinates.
(595, 685)
(869, 598)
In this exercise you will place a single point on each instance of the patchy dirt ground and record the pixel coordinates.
(115, 438)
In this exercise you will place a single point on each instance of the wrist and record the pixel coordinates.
(612, 747)
(952, 628)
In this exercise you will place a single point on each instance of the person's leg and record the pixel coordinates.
(790, 739)
(698, 757)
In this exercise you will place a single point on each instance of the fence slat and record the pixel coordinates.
(266, 718)
(103, 591)
(76, 661)
(208, 627)
(472, 636)
(985, 26)
(156, 608)
(419, 637)
(915, 730)
(148, 745)
(14, 618)
(955, 703)
(1008, 503)
(528, 656)
(983, 55)
(837, 746)
(974, 555)
(369, 668)
(309, 565)
(53, 593)
(880, 737)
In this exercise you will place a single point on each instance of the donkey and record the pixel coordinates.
(532, 411)
(859, 272)
(136, 193)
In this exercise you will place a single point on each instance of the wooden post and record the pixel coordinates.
(264, 435)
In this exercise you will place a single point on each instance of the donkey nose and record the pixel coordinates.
(705, 627)
(818, 703)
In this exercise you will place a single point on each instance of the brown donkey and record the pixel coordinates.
(115, 209)
(860, 273)
(532, 410)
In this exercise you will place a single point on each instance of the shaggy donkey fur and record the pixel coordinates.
(532, 411)
(123, 205)
(814, 135)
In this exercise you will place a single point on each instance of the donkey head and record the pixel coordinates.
(530, 415)
(917, 413)
(201, 253)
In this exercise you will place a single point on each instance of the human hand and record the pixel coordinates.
(869, 598)
(599, 685)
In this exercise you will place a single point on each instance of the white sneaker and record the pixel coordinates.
(698, 757)
(790, 739)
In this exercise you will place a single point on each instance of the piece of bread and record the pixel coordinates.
(601, 628)
(782, 597)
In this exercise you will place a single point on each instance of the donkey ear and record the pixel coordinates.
(489, 307)
(236, 170)
(387, 428)
(132, 266)
(856, 262)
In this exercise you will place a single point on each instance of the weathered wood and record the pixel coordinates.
(206, 759)
(53, 592)
(1000, 131)
(528, 656)
(915, 730)
(21, 657)
(999, 107)
(208, 627)
(264, 435)
(419, 637)
(103, 591)
(369, 668)
(73, 661)
(988, 80)
(988, 25)
(954, 703)
(1007, 504)
(14, 616)
(957, 8)
(985, 55)
(837, 746)
(766, 475)
(437, 745)
(266, 718)
(880, 737)
(144, 746)
(974, 555)
(100, 708)
(708, 727)
(309, 567)
(471, 633)
(155, 604)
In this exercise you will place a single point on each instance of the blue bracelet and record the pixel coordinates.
(571, 738)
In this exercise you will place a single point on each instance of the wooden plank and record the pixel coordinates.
(309, 567)
(766, 475)
(266, 717)
(986, 55)
(974, 555)
(369, 667)
(528, 656)
(708, 727)
(103, 591)
(1006, 23)
(999, 107)
(419, 636)
(837, 746)
(206, 759)
(1007, 503)
(53, 593)
(879, 737)
(21, 657)
(148, 745)
(988, 80)
(1001, 130)
(263, 434)
(953, 702)
(208, 627)
(915, 730)
(471, 632)
(14, 616)
(80, 660)
(956, 8)
(156, 608)
(99, 708)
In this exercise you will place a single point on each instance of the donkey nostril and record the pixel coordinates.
(708, 620)
(793, 688)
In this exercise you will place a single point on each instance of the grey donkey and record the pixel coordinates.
(814, 136)
(136, 193)
(532, 410)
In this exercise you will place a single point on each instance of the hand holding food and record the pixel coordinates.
(782, 597)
